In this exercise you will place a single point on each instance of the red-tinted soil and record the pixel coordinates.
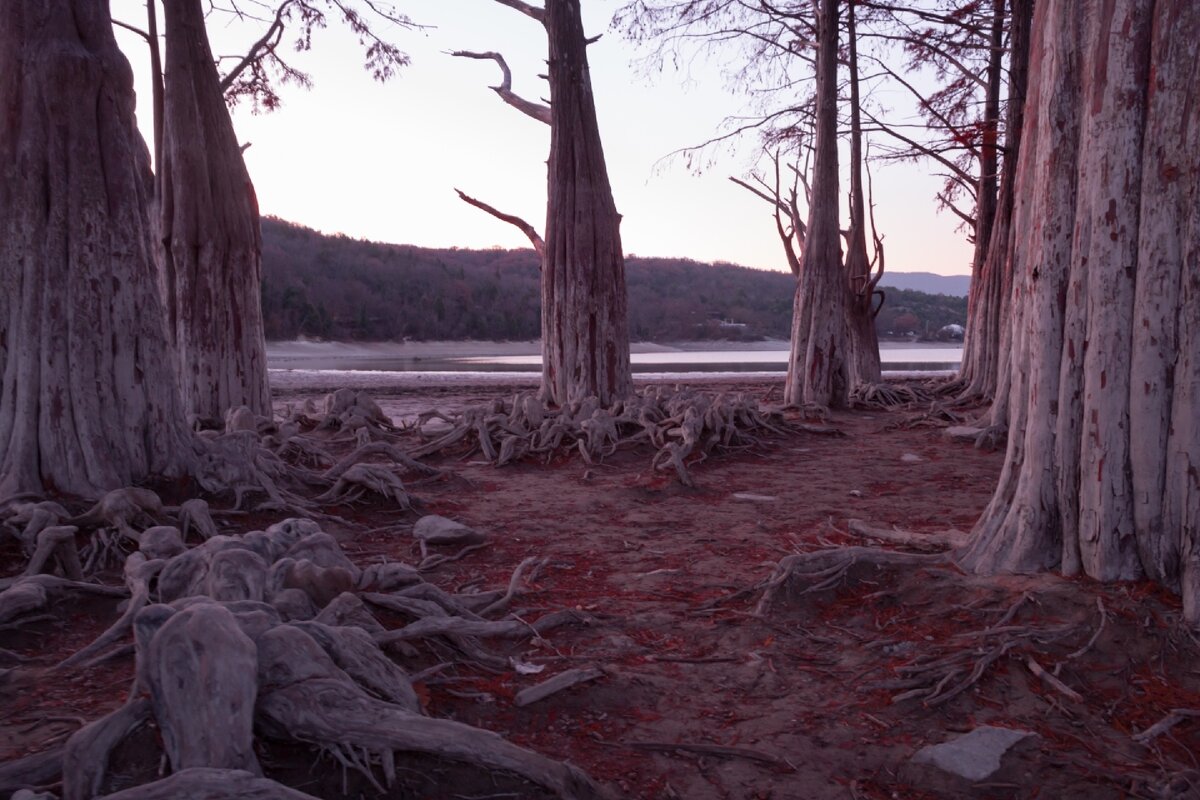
(799, 691)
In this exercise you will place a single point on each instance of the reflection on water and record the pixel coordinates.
(901, 357)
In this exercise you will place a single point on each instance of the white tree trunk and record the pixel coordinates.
(1102, 474)
(212, 246)
(818, 367)
(89, 398)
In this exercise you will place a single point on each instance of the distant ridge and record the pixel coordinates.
(928, 282)
(341, 289)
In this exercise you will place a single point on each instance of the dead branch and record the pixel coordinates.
(1176, 716)
(560, 682)
(538, 111)
(1051, 681)
(539, 246)
(533, 12)
(1081, 651)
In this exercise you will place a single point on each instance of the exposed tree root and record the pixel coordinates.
(804, 573)
(684, 426)
(890, 395)
(921, 541)
(202, 783)
(265, 631)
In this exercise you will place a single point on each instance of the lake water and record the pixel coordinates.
(896, 356)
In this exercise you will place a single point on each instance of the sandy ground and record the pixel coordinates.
(702, 697)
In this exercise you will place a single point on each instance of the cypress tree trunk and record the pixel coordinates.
(1102, 474)
(991, 283)
(211, 242)
(818, 367)
(585, 333)
(89, 398)
(863, 339)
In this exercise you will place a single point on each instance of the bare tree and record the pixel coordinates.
(89, 398)
(585, 334)
(1102, 473)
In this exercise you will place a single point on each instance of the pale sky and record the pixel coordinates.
(381, 161)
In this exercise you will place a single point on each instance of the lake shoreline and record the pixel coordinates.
(766, 358)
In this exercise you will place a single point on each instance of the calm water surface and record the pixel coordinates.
(895, 356)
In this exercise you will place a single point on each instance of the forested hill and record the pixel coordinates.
(334, 287)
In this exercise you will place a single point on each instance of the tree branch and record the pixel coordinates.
(539, 246)
(129, 27)
(538, 111)
(264, 44)
(530, 11)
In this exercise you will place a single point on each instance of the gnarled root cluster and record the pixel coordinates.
(684, 427)
(908, 394)
(272, 633)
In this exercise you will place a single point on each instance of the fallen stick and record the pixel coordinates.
(1176, 716)
(561, 681)
(1091, 641)
(719, 750)
(1051, 681)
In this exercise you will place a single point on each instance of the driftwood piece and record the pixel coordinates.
(560, 682)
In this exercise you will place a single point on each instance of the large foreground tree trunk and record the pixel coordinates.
(585, 330)
(89, 398)
(212, 246)
(1102, 474)
(818, 367)
(991, 281)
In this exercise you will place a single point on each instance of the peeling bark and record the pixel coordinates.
(1102, 474)
(211, 248)
(89, 398)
